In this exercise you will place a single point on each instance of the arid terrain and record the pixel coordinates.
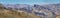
(28, 11)
(5, 13)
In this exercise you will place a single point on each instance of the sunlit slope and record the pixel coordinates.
(14, 14)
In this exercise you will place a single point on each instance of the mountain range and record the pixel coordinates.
(52, 9)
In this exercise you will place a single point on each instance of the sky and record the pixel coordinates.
(29, 1)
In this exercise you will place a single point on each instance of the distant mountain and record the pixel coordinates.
(29, 8)
(38, 7)
(53, 8)
(48, 7)
(25, 7)
(18, 6)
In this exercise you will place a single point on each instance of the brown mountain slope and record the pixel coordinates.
(4, 13)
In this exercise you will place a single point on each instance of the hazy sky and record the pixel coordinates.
(29, 1)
